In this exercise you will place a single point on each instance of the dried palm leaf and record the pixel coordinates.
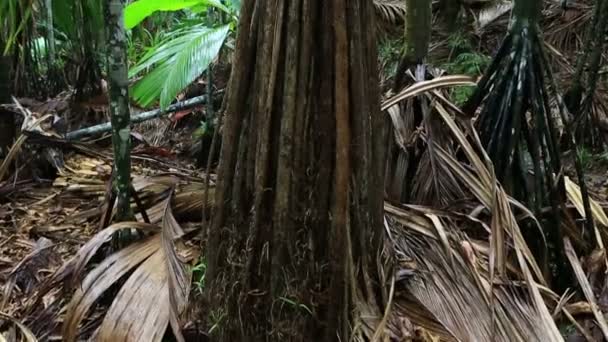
(586, 287)
(155, 273)
(413, 173)
(154, 295)
(390, 11)
(490, 12)
(451, 286)
(136, 313)
(25, 333)
(599, 216)
(105, 275)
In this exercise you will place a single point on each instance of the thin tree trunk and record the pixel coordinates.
(527, 11)
(50, 33)
(450, 10)
(7, 118)
(302, 169)
(419, 15)
(119, 104)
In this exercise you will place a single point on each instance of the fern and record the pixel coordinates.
(467, 63)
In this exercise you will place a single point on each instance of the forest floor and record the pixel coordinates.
(47, 215)
(44, 222)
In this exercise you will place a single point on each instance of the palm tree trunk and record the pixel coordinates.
(7, 118)
(527, 11)
(119, 104)
(50, 32)
(513, 89)
(297, 230)
(450, 10)
(418, 20)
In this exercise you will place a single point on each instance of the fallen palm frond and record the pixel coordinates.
(413, 172)
(475, 178)
(30, 122)
(391, 12)
(24, 275)
(586, 287)
(153, 296)
(469, 274)
(442, 315)
(86, 177)
(18, 332)
(447, 287)
(490, 12)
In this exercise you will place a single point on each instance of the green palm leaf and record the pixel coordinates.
(140, 10)
(178, 61)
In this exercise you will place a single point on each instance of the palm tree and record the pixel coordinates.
(297, 231)
(517, 128)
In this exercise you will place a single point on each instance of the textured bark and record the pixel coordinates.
(527, 10)
(50, 33)
(449, 11)
(7, 118)
(418, 20)
(297, 231)
(119, 103)
(419, 16)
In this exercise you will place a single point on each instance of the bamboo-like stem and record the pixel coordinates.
(119, 104)
(419, 16)
(50, 33)
(106, 127)
(527, 11)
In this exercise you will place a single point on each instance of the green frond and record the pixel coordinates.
(140, 10)
(178, 61)
(148, 89)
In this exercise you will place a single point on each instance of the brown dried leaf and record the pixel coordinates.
(140, 311)
(101, 278)
(26, 333)
(179, 278)
(585, 286)
(154, 296)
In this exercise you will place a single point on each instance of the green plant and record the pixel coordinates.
(198, 275)
(464, 60)
(184, 53)
(295, 305)
(389, 53)
(469, 63)
(585, 156)
(459, 41)
(216, 318)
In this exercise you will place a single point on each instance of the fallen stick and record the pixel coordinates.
(106, 127)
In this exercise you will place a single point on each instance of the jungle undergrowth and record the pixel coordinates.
(198, 275)
(464, 60)
(389, 55)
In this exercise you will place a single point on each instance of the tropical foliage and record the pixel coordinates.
(182, 54)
